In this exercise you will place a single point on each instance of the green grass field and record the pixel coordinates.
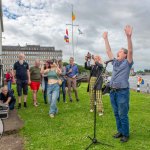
(70, 128)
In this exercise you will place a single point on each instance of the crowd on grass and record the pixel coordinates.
(52, 75)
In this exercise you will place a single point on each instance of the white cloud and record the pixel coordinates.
(44, 22)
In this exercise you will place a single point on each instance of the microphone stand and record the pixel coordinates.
(94, 139)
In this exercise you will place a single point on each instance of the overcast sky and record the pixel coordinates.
(43, 22)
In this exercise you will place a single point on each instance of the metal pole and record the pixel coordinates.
(72, 25)
(72, 34)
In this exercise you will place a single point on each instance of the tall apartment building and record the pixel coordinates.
(10, 54)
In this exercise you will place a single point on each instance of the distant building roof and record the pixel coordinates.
(29, 48)
(1, 16)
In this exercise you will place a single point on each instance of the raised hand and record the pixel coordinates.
(86, 59)
(128, 30)
(105, 35)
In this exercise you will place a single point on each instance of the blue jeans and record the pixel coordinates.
(45, 91)
(12, 104)
(53, 93)
(9, 84)
(63, 91)
(120, 105)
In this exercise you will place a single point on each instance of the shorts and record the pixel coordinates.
(22, 84)
(34, 85)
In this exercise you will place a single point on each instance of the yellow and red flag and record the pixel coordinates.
(73, 16)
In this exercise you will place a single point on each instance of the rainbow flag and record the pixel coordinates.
(140, 80)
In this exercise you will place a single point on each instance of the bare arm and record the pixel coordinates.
(58, 70)
(28, 74)
(8, 101)
(13, 76)
(44, 71)
(128, 31)
(107, 45)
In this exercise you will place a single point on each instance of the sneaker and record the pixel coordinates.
(77, 100)
(100, 114)
(70, 99)
(19, 106)
(52, 115)
(124, 139)
(35, 104)
(118, 135)
(25, 104)
(91, 110)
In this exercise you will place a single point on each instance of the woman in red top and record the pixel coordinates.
(9, 78)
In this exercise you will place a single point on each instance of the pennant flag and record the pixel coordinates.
(80, 32)
(66, 38)
(67, 32)
(73, 16)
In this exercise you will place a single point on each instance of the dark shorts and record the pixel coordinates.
(22, 84)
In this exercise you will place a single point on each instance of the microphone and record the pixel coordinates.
(106, 62)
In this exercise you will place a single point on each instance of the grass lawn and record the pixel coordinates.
(70, 128)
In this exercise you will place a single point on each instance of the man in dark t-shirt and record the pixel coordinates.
(7, 97)
(21, 71)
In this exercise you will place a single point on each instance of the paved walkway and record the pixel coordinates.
(10, 139)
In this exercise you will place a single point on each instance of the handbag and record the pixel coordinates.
(59, 81)
(106, 89)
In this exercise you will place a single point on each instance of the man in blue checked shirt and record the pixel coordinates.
(72, 72)
(120, 93)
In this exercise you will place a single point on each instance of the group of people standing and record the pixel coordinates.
(51, 72)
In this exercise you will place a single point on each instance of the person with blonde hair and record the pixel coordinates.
(95, 82)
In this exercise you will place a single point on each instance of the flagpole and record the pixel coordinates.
(72, 35)
(72, 25)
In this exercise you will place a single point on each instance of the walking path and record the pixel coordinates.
(10, 139)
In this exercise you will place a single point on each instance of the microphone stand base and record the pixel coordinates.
(95, 141)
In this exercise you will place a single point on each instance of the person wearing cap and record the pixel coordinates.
(52, 87)
(119, 94)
